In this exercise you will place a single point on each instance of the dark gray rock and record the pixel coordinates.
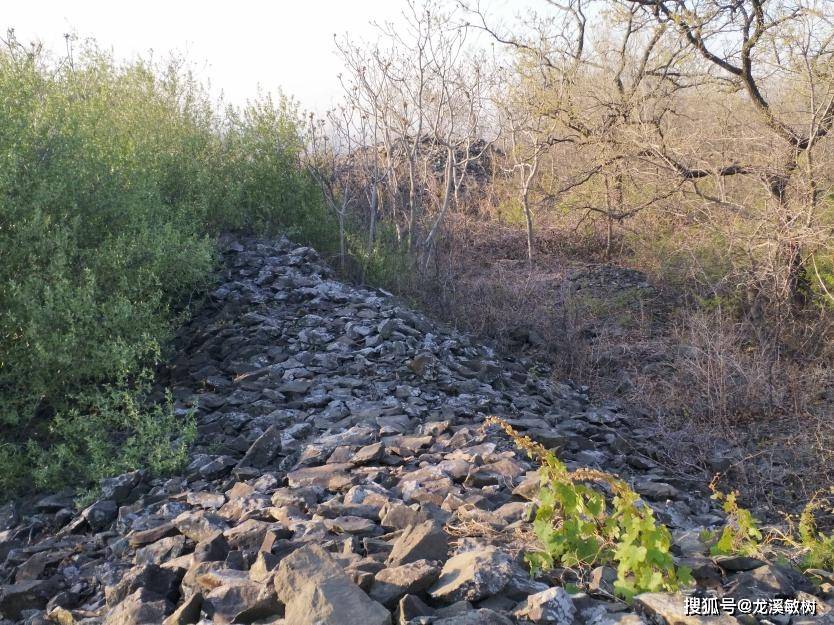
(264, 450)
(140, 608)
(119, 488)
(475, 617)
(425, 541)
(316, 591)
(155, 579)
(100, 514)
(669, 609)
(25, 595)
(390, 584)
(766, 582)
(473, 575)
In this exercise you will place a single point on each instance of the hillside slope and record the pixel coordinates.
(343, 475)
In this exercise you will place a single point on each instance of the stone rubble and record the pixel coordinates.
(342, 476)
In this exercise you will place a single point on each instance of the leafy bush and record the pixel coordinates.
(740, 535)
(110, 430)
(114, 180)
(819, 548)
(579, 526)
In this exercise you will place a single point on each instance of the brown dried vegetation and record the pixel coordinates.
(640, 192)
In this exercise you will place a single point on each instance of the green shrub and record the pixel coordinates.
(114, 180)
(740, 535)
(819, 548)
(111, 430)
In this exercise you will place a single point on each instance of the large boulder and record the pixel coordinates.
(670, 609)
(141, 608)
(424, 541)
(317, 591)
(473, 575)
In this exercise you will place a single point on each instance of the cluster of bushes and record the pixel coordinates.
(113, 180)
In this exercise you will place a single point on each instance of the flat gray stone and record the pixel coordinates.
(317, 591)
(473, 575)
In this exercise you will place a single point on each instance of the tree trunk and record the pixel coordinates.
(342, 251)
(528, 213)
(372, 217)
(447, 197)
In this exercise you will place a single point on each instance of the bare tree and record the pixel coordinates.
(777, 53)
(591, 101)
(525, 142)
(421, 95)
(329, 140)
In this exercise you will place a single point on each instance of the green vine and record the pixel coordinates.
(740, 535)
(819, 548)
(579, 525)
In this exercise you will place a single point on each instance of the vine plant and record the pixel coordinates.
(588, 517)
(740, 535)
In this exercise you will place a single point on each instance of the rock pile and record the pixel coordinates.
(342, 476)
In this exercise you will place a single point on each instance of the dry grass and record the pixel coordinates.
(722, 395)
(468, 523)
(763, 410)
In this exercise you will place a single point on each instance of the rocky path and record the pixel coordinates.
(343, 476)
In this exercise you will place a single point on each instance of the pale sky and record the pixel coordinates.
(237, 45)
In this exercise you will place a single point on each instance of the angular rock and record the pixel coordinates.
(316, 591)
(473, 575)
(739, 563)
(670, 609)
(141, 608)
(244, 602)
(766, 582)
(368, 454)
(120, 487)
(263, 566)
(411, 607)
(475, 617)
(399, 516)
(658, 491)
(200, 525)
(264, 450)
(425, 541)
(188, 612)
(333, 477)
(601, 581)
(393, 583)
(148, 536)
(154, 579)
(161, 551)
(100, 514)
(552, 606)
(25, 595)
(250, 535)
(213, 549)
